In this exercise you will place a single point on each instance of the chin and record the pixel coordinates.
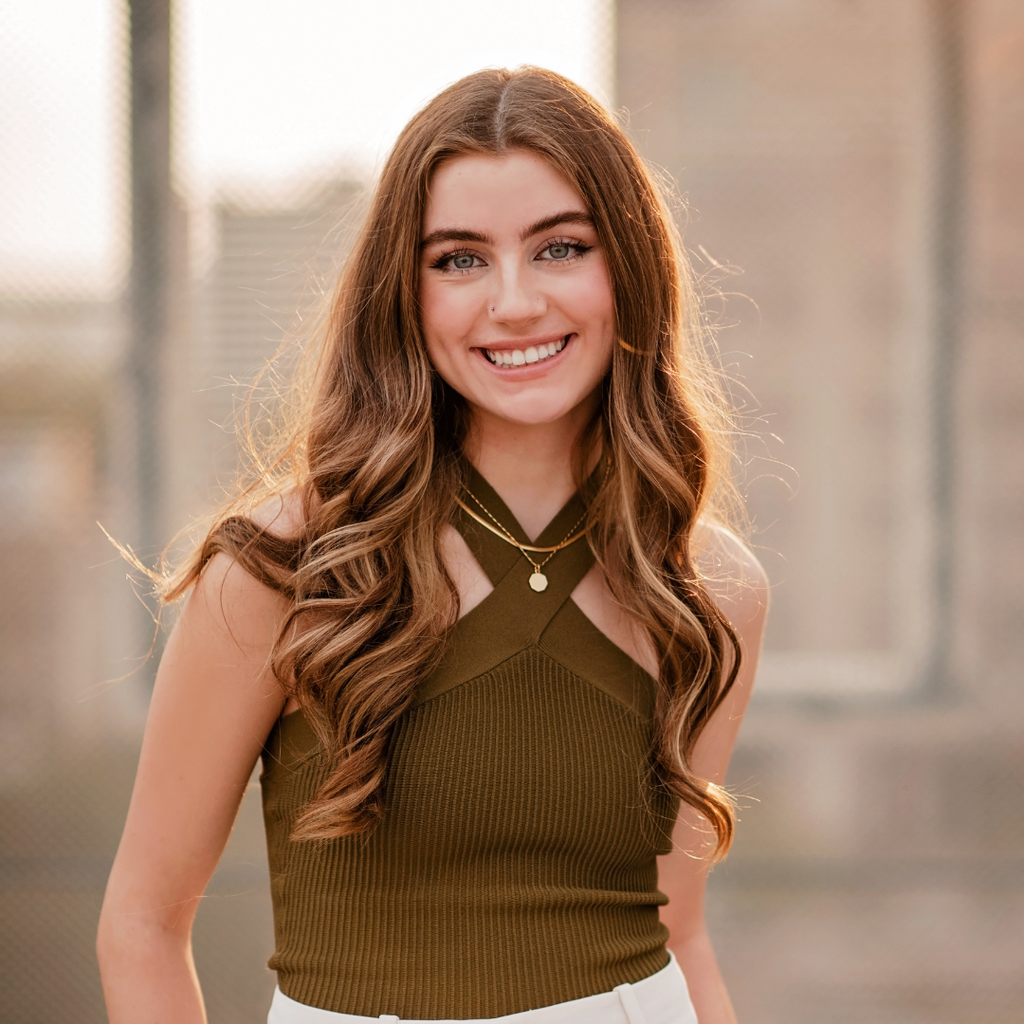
(535, 413)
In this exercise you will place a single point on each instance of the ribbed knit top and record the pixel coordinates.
(515, 865)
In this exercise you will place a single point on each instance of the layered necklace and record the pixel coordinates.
(538, 581)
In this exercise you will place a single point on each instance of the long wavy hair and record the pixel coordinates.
(373, 453)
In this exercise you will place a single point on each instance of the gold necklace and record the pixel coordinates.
(538, 581)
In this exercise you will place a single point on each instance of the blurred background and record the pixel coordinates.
(177, 185)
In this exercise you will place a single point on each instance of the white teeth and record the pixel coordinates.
(520, 357)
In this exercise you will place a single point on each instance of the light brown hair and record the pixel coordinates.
(374, 452)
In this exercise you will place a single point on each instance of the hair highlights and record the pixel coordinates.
(374, 452)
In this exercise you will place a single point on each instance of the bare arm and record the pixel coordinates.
(741, 591)
(214, 703)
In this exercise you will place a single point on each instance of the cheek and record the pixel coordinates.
(445, 313)
(445, 324)
(596, 305)
(592, 296)
(431, 312)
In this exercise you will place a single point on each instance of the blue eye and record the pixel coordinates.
(457, 262)
(563, 252)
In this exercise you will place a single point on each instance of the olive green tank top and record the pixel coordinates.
(515, 865)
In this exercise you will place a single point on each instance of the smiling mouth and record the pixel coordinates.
(526, 356)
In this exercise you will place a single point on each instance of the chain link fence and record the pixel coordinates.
(873, 878)
(860, 164)
(254, 232)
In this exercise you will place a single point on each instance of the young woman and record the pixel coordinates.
(481, 621)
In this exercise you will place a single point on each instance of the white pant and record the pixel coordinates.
(661, 998)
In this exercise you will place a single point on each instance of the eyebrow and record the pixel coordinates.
(562, 217)
(545, 224)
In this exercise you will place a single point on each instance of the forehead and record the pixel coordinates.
(496, 193)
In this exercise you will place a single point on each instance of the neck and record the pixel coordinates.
(529, 465)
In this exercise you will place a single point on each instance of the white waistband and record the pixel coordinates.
(661, 998)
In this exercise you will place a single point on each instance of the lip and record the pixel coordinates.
(527, 370)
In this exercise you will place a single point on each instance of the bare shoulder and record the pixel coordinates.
(227, 598)
(732, 573)
(281, 514)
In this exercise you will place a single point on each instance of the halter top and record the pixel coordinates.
(514, 866)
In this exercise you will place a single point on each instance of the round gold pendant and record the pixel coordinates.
(538, 582)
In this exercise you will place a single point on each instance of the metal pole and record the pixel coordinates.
(151, 264)
(949, 264)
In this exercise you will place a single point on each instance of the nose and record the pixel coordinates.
(514, 298)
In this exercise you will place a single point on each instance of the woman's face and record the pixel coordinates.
(515, 295)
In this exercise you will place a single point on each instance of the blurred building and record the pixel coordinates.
(274, 258)
(73, 678)
(878, 871)
(55, 365)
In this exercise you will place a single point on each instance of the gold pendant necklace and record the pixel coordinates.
(538, 581)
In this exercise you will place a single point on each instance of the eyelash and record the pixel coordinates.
(570, 243)
(444, 260)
